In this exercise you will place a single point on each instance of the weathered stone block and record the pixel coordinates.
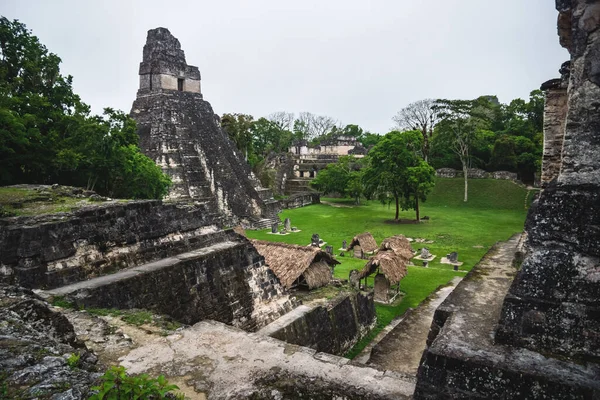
(333, 328)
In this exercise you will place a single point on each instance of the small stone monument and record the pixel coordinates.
(287, 225)
(315, 240)
(354, 279)
(275, 227)
(381, 288)
(455, 267)
(344, 245)
(452, 257)
(425, 254)
(329, 250)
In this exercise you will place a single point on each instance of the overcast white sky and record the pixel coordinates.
(356, 61)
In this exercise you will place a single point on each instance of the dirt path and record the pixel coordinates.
(400, 349)
(338, 205)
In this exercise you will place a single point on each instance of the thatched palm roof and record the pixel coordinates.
(365, 240)
(318, 274)
(289, 262)
(399, 244)
(391, 259)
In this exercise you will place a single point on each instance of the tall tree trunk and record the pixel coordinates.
(397, 207)
(425, 143)
(417, 207)
(466, 173)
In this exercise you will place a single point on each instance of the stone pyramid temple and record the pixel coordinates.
(180, 132)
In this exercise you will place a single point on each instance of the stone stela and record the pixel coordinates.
(315, 241)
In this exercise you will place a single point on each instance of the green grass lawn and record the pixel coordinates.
(495, 211)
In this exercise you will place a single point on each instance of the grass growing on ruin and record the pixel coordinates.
(495, 211)
(16, 202)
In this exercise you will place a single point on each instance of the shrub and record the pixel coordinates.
(73, 360)
(117, 385)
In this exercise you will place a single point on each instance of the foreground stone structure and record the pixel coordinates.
(543, 340)
(226, 363)
(35, 345)
(226, 281)
(53, 250)
(463, 360)
(180, 132)
(552, 306)
(174, 258)
(330, 328)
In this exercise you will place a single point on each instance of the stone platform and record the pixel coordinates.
(463, 360)
(226, 363)
(227, 281)
(333, 326)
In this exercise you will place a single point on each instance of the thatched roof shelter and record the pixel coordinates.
(366, 241)
(389, 264)
(391, 259)
(399, 244)
(297, 265)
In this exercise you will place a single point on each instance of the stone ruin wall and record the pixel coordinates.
(555, 116)
(552, 306)
(543, 339)
(475, 173)
(54, 250)
(300, 200)
(334, 327)
(230, 285)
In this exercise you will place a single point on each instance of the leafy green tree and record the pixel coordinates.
(268, 136)
(395, 171)
(420, 179)
(47, 134)
(421, 116)
(355, 187)
(460, 120)
(301, 130)
(352, 130)
(239, 129)
(369, 139)
(343, 177)
(503, 154)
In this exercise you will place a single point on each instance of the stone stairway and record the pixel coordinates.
(297, 185)
(263, 223)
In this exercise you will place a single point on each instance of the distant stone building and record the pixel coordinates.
(180, 132)
(308, 160)
(340, 145)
